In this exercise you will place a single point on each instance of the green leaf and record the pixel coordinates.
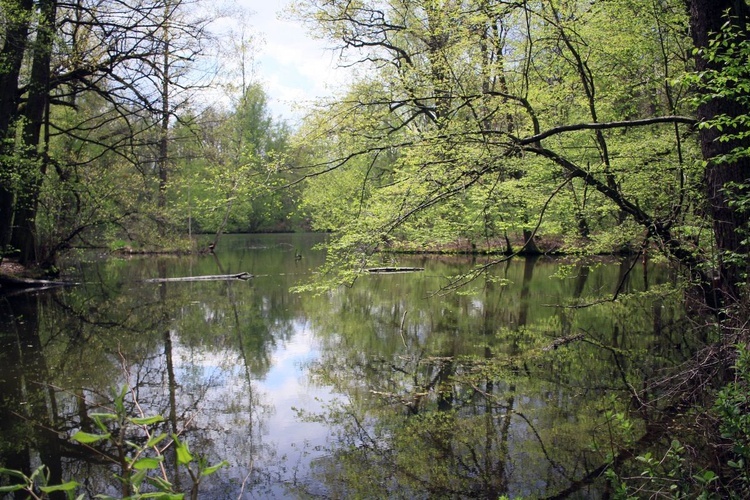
(137, 478)
(37, 471)
(183, 453)
(147, 463)
(12, 472)
(706, 477)
(69, 486)
(120, 400)
(106, 416)
(88, 438)
(12, 487)
(146, 420)
(210, 470)
(165, 496)
(155, 440)
(99, 417)
(160, 483)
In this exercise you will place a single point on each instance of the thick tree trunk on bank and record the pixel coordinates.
(706, 19)
(36, 110)
(529, 245)
(11, 59)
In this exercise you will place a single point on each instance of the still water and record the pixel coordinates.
(391, 388)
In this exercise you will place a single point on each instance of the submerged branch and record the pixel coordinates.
(18, 283)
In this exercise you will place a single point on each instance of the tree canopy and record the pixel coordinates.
(97, 102)
(528, 126)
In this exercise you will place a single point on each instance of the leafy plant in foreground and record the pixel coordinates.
(37, 484)
(733, 408)
(136, 459)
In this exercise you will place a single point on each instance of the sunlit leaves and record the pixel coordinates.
(38, 481)
(232, 183)
(183, 451)
(147, 420)
(449, 91)
(147, 463)
(728, 78)
(213, 468)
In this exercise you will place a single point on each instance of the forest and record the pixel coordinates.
(492, 127)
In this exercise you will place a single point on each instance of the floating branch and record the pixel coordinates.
(18, 283)
(212, 277)
(394, 269)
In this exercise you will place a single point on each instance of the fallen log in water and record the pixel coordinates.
(393, 269)
(18, 283)
(212, 277)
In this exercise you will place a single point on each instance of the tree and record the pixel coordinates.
(727, 174)
(590, 119)
(182, 37)
(525, 109)
(233, 178)
(16, 32)
(77, 50)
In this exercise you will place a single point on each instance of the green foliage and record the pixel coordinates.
(37, 484)
(671, 474)
(230, 181)
(142, 473)
(678, 473)
(733, 408)
(433, 147)
(728, 77)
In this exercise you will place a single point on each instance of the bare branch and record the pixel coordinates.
(604, 126)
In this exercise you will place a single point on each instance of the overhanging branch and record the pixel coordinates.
(604, 126)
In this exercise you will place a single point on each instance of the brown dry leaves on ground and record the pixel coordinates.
(11, 268)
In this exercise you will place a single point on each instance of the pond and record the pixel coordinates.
(517, 383)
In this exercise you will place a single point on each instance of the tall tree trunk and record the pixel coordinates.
(16, 19)
(35, 113)
(706, 19)
(165, 105)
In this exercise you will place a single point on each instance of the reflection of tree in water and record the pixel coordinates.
(425, 413)
(80, 344)
(459, 395)
(28, 409)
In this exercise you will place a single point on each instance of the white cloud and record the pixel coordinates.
(294, 68)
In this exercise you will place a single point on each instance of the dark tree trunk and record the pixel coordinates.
(37, 104)
(11, 59)
(706, 19)
(26, 379)
(529, 245)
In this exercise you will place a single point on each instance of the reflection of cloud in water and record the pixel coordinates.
(288, 389)
(253, 423)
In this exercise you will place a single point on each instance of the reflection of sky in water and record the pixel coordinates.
(238, 405)
(287, 387)
(256, 428)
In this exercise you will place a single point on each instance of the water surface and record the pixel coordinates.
(390, 388)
